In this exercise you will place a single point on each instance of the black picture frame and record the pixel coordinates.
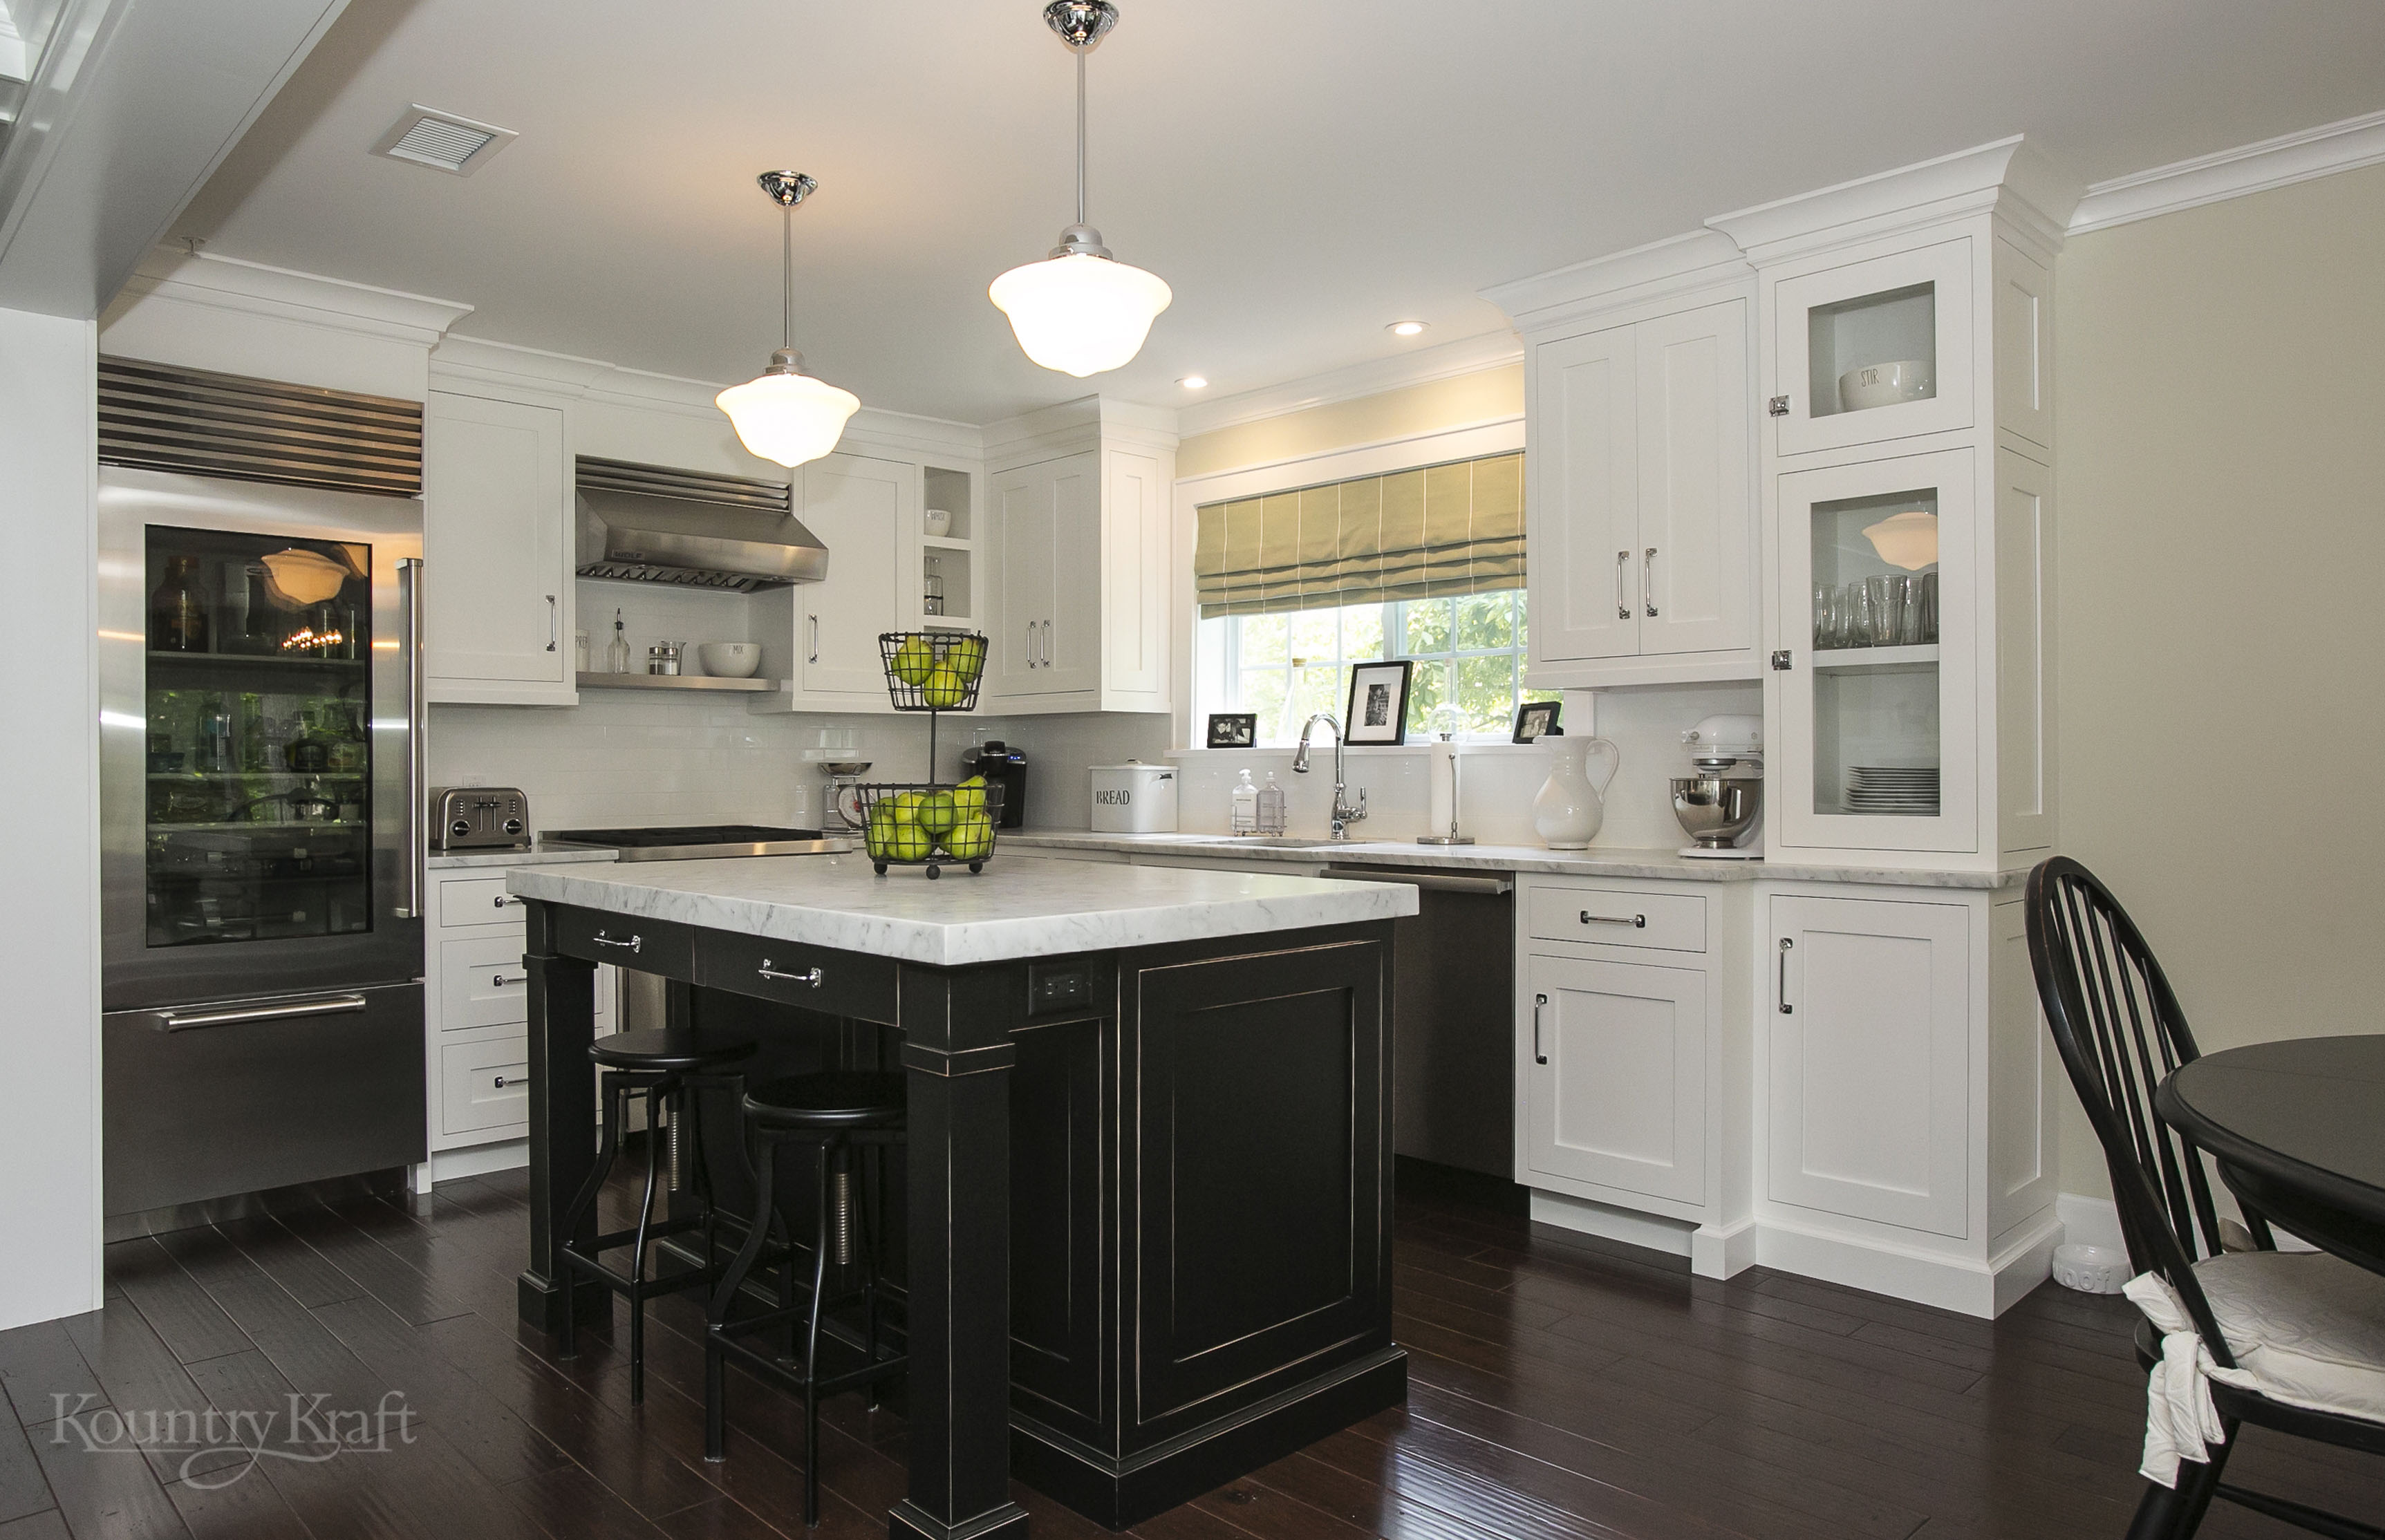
(1377, 712)
(1535, 719)
(1233, 730)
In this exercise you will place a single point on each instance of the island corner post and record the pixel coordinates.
(1207, 1181)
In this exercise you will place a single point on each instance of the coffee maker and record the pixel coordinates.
(1721, 801)
(1007, 767)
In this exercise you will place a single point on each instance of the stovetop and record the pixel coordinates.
(696, 843)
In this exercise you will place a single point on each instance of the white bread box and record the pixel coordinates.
(1134, 798)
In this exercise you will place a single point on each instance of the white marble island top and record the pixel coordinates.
(1020, 906)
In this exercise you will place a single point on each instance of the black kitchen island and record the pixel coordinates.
(1148, 1191)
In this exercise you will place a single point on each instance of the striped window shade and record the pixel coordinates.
(1413, 534)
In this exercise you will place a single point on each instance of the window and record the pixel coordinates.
(1469, 651)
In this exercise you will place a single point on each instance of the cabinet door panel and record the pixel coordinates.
(1869, 1065)
(1072, 648)
(1045, 625)
(1621, 1100)
(1696, 581)
(496, 580)
(858, 508)
(1581, 512)
(1910, 307)
(1134, 587)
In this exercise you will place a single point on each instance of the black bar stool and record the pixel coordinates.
(838, 1112)
(661, 1064)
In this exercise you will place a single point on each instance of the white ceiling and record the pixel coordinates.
(1301, 174)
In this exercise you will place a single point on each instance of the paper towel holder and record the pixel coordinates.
(1449, 836)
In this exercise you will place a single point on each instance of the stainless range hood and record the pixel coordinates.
(651, 524)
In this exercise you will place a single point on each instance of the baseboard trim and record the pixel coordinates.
(448, 1166)
(1959, 1283)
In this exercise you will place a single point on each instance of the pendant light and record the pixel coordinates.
(783, 414)
(1078, 310)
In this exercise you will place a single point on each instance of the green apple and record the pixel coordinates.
(945, 688)
(914, 661)
(938, 811)
(967, 658)
(904, 808)
(971, 839)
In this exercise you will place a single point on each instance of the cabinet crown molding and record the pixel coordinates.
(253, 288)
(1072, 426)
(2007, 177)
(2345, 145)
(1662, 269)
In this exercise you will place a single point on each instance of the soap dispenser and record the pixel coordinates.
(1245, 816)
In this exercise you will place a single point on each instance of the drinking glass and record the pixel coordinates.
(1824, 597)
(1886, 602)
(1928, 606)
(1863, 610)
(1910, 620)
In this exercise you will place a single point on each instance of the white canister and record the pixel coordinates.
(1134, 798)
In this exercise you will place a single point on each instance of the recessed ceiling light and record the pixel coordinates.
(442, 141)
(1193, 383)
(1404, 328)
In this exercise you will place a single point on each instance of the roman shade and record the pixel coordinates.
(1456, 527)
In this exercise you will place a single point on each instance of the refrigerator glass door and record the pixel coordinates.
(256, 717)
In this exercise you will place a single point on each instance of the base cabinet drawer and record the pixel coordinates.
(1617, 916)
(482, 983)
(477, 901)
(484, 1085)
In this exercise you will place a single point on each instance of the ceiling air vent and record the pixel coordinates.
(443, 140)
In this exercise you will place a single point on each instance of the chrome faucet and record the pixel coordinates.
(1344, 813)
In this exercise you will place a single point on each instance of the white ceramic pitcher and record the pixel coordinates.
(1569, 808)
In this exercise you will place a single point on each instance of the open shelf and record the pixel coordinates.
(671, 681)
(946, 543)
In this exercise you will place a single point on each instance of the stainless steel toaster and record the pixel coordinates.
(480, 818)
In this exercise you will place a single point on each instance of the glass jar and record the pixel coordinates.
(178, 610)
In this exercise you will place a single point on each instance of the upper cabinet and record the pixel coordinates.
(1639, 499)
(1077, 590)
(498, 584)
(1870, 351)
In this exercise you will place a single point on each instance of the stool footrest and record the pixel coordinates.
(885, 1367)
(634, 1288)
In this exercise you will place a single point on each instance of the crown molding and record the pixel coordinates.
(1351, 382)
(1662, 269)
(2005, 177)
(252, 288)
(2342, 146)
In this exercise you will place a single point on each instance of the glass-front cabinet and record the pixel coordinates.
(1878, 739)
(258, 757)
(1874, 350)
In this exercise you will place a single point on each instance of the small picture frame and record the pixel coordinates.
(1379, 702)
(1233, 730)
(1535, 719)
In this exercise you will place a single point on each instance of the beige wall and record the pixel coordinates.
(1484, 396)
(2221, 381)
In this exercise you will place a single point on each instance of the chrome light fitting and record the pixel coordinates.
(1079, 310)
(783, 414)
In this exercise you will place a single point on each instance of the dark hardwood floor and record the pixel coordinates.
(1560, 1391)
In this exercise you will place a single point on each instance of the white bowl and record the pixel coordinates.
(939, 522)
(2091, 1269)
(1885, 384)
(731, 660)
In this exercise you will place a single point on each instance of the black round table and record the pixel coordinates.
(2299, 1127)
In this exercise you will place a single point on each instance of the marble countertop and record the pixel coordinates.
(1017, 907)
(1598, 861)
(441, 861)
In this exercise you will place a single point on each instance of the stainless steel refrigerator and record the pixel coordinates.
(261, 728)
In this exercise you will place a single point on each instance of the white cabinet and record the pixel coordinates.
(1078, 589)
(1869, 351)
(1868, 1073)
(497, 594)
(1641, 505)
(858, 508)
(1617, 1076)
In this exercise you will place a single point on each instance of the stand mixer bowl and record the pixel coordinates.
(1715, 810)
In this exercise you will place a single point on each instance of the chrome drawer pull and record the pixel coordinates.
(517, 1080)
(1638, 922)
(768, 970)
(633, 943)
(1786, 1009)
(498, 981)
(329, 1005)
(1538, 1001)
(506, 900)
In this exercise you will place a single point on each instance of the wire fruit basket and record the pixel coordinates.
(931, 824)
(932, 670)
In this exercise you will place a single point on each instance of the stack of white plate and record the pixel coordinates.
(1908, 790)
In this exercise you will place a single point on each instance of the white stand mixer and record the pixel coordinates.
(1720, 804)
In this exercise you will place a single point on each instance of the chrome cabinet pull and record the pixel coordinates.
(1538, 1001)
(1622, 604)
(322, 1005)
(517, 1080)
(1647, 581)
(1638, 922)
(553, 619)
(498, 981)
(1786, 1009)
(1047, 644)
(1030, 644)
(814, 620)
(633, 943)
(506, 900)
(770, 970)
(418, 718)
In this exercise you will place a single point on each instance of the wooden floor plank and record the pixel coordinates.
(23, 1491)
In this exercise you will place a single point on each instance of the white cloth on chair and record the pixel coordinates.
(2305, 1328)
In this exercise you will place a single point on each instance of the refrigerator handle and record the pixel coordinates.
(409, 591)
